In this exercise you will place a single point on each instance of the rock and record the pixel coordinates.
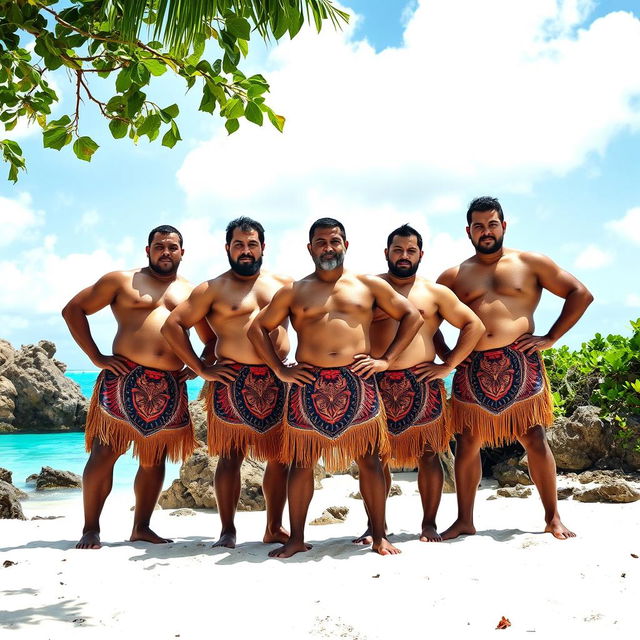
(395, 490)
(579, 441)
(32, 479)
(332, 515)
(509, 473)
(356, 495)
(8, 395)
(614, 491)
(447, 460)
(47, 517)
(194, 488)
(10, 507)
(319, 474)
(354, 471)
(565, 492)
(6, 475)
(156, 508)
(199, 419)
(45, 399)
(49, 478)
(514, 492)
(183, 512)
(601, 476)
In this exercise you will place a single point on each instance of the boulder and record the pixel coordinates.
(447, 460)
(395, 490)
(319, 474)
(613, 491)
(8, 395)
(194, 488)
(6, 475)
(199, 419)
(514, 492)
(49, 478)
(332, 515)
(45, 399)
(579, 441)
(9, 502)
(183, 512)
(509, 473)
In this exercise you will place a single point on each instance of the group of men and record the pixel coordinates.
(364, 386)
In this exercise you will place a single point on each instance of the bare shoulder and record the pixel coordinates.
(537, 262)
(371, 280)
(448, 276)
(275, 278)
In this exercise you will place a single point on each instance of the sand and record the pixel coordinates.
(588, 586)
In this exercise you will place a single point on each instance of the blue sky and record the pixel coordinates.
(405, 116)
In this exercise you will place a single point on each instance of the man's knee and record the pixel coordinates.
(467, 444)
(534, 440)
(102, 453)
(369, 463)
(229, 463)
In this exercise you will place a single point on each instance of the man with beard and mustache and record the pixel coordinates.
(333, 407)
(245, 401)
(140, 396)
(412, 389)
(501, 392)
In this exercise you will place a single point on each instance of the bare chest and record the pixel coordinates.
(341, 301)
(484, 284)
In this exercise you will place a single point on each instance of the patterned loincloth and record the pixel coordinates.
(417, 415)
(338, 417)
(147, 407)
(500, 394)
(246, 415)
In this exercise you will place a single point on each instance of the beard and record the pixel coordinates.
(245, 268)
(164, 268)
(325, 263)
(402, 272)
(496, 246)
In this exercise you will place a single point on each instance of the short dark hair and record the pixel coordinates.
(164, 230)
(245, 225)
(404, 231)
(327, 223)
(485, 203)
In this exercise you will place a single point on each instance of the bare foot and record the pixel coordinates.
(558, 530)
(430, 534)
(365, 538)
(278, 535)
(289, 549)
(226, 539)
(459, 528)
(385, 548)
(142, 533)
(89, 540)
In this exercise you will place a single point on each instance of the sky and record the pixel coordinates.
(405, 115)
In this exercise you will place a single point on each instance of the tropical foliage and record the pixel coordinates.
(132, 42)
(604, 372)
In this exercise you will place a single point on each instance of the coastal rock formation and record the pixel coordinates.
(49, 478)
(514, 492)
(194, 488)
(511, 473)
(199, 420)
(8, 395)
(45, 399)
(9, 502)
(6, 475)
(332, 515)
(613, 491)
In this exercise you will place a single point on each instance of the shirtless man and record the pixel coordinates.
(501, 393)
(245, 401)
(412, 389)
(140, 397)
(333, 409)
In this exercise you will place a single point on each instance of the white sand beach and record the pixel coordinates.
(586, 587)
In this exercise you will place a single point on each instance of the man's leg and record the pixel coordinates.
(299, 492)
(372, 488)
(97, 480)
(274, 487)
(430, 482)
(227, 488)
(468, 472)
(147, 487)
(366, 538)
(542, 467)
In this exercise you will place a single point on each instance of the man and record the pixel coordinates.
(502, 393)
(140, 396)
(245, 403)
(333, 408)
(412, 389)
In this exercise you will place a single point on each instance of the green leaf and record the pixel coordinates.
(170, 112)
(84, 148)
(233, 108)
(123, 81)
(140, 74)
(118, 128)
(150, 125)
(56, 138)
(243, 45)
(239, 27)
(169, 139)
(232, 125)
(134, 103)
(253, 114)
(276, 120)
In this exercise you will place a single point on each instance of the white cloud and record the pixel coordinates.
(592, 257)
(460, 107)
(18, 218)
(87, 220)
(632, 300)
(627, 227)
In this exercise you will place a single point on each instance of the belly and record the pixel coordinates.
(330, 343)
(504, 321)
(236, 346)
(420, 349)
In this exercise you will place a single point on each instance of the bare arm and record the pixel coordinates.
(85, 303)
(269, 319)
(192, 312)
(561, 283)
(399, 308)
(471, 329)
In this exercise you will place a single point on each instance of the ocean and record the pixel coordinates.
(26, 453)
